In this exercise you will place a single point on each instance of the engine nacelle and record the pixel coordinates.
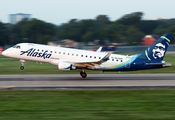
(64, 66)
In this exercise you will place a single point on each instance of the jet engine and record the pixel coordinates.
(64, 66)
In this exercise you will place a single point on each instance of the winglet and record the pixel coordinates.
(106, 58)
(99, 49)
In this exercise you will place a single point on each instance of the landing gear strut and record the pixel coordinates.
(22, 62)
(83, 74)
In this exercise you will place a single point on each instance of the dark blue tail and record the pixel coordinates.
(156, 52)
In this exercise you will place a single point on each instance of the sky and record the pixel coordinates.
(62, 11)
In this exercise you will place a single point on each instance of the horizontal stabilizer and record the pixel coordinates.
(159, 64)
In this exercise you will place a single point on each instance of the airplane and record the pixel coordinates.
(67, 59)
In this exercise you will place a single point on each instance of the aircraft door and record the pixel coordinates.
(30, 45)
(128, 62)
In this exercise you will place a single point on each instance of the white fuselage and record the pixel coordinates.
(53, 55)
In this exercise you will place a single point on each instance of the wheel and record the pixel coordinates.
(83, 74)
(22, 67)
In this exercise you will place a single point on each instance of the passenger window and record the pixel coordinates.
(112, 59)
(86, 56)
(99, 57)
(77, 54)
(90, 56)
(55, 51)
(81, 55)
(121, 60)
(95, 57)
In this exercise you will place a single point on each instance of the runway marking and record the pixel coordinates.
(7, 87)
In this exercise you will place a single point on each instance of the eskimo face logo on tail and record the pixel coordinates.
(31, 52)
(158, 51)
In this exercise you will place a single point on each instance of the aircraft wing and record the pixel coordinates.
(92, 64)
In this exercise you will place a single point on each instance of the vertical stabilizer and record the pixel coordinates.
(156, 52)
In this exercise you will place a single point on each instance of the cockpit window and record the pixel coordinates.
(16, 46)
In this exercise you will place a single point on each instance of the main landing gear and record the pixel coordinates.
(83, 74)
(22, 62)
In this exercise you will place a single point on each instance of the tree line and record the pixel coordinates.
(130, 29)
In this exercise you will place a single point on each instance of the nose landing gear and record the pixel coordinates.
(83, 74)
(22, 62)
(22, 67)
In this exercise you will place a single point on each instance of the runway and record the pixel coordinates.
(93, 81)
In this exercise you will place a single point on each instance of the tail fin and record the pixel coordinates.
(156, 52)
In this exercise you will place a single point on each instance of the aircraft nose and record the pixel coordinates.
(5, 52)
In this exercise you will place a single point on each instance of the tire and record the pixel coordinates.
(83, 75)
(22, 67)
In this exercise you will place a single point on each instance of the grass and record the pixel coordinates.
(88, 105)
(11, 66)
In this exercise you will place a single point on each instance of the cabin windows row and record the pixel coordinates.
(91, 57)
(78, 55)
(45, 51)
(117, 60)
(68, 54)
